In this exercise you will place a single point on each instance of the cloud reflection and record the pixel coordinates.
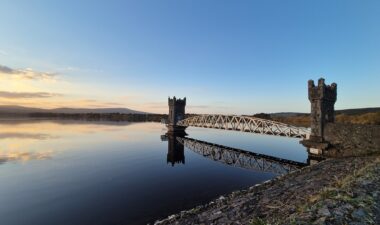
(20, 156)
(17, 135)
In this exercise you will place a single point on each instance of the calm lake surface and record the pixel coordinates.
(70, 172)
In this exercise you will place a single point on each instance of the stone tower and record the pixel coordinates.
(322, 99)
(176, 113)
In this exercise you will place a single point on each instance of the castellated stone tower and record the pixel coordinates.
(176, 113)
(322, 99)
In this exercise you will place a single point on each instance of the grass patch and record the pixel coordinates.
(341, 189)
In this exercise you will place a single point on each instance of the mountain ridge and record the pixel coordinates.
(7, 109)
(16, 109)
(353, 111)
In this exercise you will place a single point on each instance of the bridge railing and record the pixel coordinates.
(245, 124)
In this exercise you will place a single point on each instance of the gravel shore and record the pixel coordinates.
(335, 191)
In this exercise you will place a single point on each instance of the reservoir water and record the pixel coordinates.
(70, 172)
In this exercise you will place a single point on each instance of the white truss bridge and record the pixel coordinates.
(245, 124)
(240, 158)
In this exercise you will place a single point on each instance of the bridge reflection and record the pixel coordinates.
(227, 155)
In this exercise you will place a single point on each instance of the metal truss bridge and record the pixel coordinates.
(245, 124)
(240, 158)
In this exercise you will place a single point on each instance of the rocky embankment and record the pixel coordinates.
(335, 191)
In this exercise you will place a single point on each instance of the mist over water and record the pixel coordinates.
(89, 173)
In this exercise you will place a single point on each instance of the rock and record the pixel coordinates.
(324, 211)
(215, 215)
(329, 202)
(221, 198)
(320, 221)
(347, 207)
(357, 223)
(366, 182)
(171, 217)
(358, 214)
(339, 212)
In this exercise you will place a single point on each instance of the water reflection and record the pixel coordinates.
(227, 155)
(176, 150)
(17, 156)
(241, 158)
(21, 135)
(95, 174)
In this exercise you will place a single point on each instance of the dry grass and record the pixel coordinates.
(301, 121)
(304, 121)
(341, 188)
(367, 118)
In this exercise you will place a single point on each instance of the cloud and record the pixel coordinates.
(97, 104)
(8, 94)
(5, 69)
(107, 105)
(27, 74)
(207, 107)
(78, 69)
(156, 105)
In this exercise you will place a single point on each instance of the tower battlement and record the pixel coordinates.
(322, 91)
(174, 101)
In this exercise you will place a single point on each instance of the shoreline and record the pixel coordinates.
(335, 191)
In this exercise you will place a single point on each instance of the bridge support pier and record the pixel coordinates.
(322, 98)
(176, 113)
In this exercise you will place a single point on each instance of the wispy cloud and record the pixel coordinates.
(92, 103)
(107, 105)
(8, 94)
(207, 107)
(155, 105)
(27, 74)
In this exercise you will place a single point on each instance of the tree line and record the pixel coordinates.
(102, 116)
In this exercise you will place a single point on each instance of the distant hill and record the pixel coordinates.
(12, 109)
(358, 111)
(341, 111)
(288, 114)
(97, 110)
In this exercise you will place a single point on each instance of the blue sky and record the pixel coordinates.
(237, 57)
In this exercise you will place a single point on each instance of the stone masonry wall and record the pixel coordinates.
(352, 139)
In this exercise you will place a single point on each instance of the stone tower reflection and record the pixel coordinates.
(176, 153)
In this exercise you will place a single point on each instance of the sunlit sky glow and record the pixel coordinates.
(236, 57)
